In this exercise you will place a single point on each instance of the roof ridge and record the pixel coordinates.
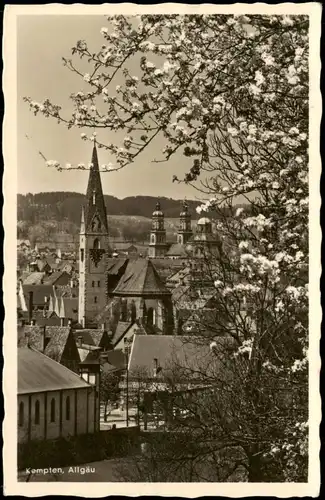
(57, 362)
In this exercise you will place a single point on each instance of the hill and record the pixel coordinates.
(66, 206)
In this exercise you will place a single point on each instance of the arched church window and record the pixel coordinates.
(150, 316)
(67, 408)
(96, 244)
(37, 413)
(152, 238)
(52, 410)
(95, 300)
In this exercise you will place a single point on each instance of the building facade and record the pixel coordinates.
(53, 401)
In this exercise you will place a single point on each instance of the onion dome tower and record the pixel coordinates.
(157, 245)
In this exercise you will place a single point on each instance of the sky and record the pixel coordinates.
(42, 41)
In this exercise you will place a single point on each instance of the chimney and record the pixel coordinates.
(79, 343)
(30, 307)
(69, 323)
(103, 326)
(33, 322)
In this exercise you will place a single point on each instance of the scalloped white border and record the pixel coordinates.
(12, 487)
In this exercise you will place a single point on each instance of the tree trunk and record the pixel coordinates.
(255, 468)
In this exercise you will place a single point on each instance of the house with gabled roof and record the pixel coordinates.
(57, 342)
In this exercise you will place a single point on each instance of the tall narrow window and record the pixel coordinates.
(67, 408)
(93, 284)
(21, 414)
(82, 254)
(52, 410)
(98, 284)
(37, 412)
(95, 300)
(94, 197)
(96, 245)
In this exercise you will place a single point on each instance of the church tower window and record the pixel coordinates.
(82, 254)
(95, 300)
(96, 244)
(94, 197)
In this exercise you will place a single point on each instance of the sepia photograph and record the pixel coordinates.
(161, 190)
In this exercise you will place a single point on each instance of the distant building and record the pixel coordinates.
(157, 244)
(53, 401)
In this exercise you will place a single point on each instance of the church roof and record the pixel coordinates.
(95, 187)
(177, 250)
(114, 265)
(140, 279)
(39, 373)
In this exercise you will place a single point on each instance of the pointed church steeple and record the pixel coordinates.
(93, 249)
(95, 204)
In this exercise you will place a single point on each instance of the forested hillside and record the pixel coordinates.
(62, 206)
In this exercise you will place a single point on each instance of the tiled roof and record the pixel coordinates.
(66, 291)
(50, 319)
(179, 293)
(114, 360)
(58, 339)
(32, 336)
(39, 373)
(90, 336)
(87, 338)
(140, 279)
(114, 265)
(179, 356)
(35, 278)
(121, 329)
(177, 250)
(53, 278)
(95, 186)
(39, 293)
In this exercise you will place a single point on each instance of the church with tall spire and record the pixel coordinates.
(93, 248)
